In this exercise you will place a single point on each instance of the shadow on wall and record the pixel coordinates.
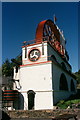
(5, 116)
(19, 103)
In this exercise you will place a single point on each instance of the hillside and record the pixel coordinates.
(77, 74)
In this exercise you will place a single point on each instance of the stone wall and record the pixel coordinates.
(42, 113)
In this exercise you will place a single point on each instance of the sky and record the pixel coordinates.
(79, 36)
(0, 33)
(20, 20)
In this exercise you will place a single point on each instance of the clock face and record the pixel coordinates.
(34, 55)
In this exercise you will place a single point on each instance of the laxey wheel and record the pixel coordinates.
(47, 31)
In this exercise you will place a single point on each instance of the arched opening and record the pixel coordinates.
(53, 58)
(31, 96)
(63, 83)
(72, 85)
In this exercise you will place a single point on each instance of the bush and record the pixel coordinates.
(64, 104)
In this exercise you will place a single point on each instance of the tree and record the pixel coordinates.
(7, 68)
(77, 74)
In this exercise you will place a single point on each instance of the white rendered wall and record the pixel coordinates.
(16, 75)
(44, 100)
(39, 79)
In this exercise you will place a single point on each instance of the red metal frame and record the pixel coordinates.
(40, 29)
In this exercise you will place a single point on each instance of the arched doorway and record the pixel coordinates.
(31, 96)
(63, 83)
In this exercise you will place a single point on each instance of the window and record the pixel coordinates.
(63, 83)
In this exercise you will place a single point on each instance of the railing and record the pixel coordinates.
(10, 95)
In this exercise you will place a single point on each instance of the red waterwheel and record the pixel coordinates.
(47, 30)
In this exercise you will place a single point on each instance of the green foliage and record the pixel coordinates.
(64, 104)
(77, 74)
(7, 68)
(61, 104)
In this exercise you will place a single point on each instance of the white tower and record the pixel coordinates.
(45, 75)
